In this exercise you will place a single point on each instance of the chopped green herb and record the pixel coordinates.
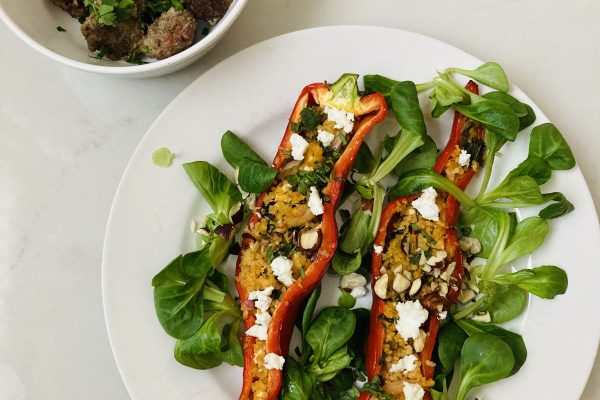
(285, 250)
(100, 54)
(303, 180)
(415, 259)
(376, 390)
(60, 29)
(415, 228)
(310, 118)
(160, 6)
(136, 58)
(110, 12)
(162, 157)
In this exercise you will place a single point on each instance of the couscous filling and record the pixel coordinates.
(414, 262)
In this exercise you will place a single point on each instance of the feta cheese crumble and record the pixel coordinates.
(358, 292)
(258, 331)
(343, 120)
(263, 318)
(262, 298)
(378, 249)
(325, 137)
(464, 158)
(442, 315)
(314, 202)
(411, 315)
(413, 391)
(261, 325)
(282, 269)
(405, 365)
(273, 361)
(426, 206)
(299, 146)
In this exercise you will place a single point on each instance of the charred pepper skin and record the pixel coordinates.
(371, 109)
(375, 339)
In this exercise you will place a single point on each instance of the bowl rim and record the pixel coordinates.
(214, 35)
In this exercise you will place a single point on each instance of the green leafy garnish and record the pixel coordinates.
(162, 157)
(485, 358)
(60, 29)
(346, 300)
(254, 175)
(160, 6)
(110, 12)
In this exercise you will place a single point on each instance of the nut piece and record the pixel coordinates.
(352, 281)
(432, 302)
(400, 283)
(381, 286)
(448, 272)
(470, 244)
(419, 341)
(443, 289)
(466, 295)
(309, 240)
(415, 287)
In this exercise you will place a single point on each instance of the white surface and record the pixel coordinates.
(36, 21)
(66, 137)
(149, 221)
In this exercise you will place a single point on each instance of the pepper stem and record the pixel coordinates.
(344, 92)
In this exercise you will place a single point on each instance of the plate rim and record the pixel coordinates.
(138, 150)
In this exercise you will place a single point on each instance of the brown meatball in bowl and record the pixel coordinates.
(173, 32)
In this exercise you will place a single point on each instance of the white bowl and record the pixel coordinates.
(36, 22)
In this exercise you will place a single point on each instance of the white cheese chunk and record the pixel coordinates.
(343, 120)
(282, 269)
(442, 315)
(263, 318)
(405, 365)
(411, 315)
(258, 331)
(426, 206)
(299, 146)
(273, 361)
(358, 292)
(325, 137)
(262, 298)
(464, 158)
(378, 249)
(314, 202)
(413, 391)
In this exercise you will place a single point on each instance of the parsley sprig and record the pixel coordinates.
(109, 12)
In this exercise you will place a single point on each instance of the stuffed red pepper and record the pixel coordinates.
(417, 272)
(292, 236)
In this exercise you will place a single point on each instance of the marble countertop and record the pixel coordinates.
(67, 135)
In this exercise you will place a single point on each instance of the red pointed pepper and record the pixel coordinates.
(368, 110)
(375, 341)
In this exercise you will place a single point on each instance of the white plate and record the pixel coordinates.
(252, 93)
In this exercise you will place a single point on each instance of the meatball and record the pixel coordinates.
(119, 41)
(208, 10)
(74, 7)
(172, 32)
